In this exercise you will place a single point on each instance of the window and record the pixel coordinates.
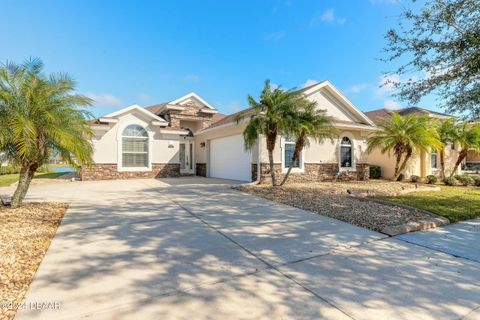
(452, 146)
(434, 159)
(134, 147)
(289, 148)
(346, 153)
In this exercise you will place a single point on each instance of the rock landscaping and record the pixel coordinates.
(25, 235)
(335, 200)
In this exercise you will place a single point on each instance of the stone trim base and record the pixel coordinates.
(316, 172)
(201, 169)
(108, 171)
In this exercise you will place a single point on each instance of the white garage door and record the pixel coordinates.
(229, 160)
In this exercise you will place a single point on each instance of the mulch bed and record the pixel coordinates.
(25, 235)
(332, 200)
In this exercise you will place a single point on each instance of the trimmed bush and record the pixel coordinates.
(414, 178)
(401, 177)
(464, 179)
(431, 179)
(9, 170)
(477, 181)
(450, 181)
(375, 172)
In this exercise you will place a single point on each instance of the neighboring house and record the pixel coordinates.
(189, 136)
(423, 164)
(473, 157)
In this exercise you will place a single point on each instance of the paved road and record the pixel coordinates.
(193, 248)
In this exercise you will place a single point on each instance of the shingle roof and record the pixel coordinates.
(380, 114)
(155, 108)
(232, 117)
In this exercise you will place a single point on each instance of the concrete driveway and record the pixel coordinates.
(192, 248)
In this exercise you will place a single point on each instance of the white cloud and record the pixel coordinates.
(104, 99)
(386, 85)
(357, 88)
(144, 98)
(391, 104)
(275, 36)
(308, 83)
(191, 77)
(327, 16)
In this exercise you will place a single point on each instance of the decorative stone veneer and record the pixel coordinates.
(108, 171)
(201, 169)
(317, 172)
(190, 113)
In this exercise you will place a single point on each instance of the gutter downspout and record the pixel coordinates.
(259, 160)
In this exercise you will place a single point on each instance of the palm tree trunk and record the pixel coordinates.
(461, 156)
(26, 176)
(397, 165)
(404, 164)
(270, 148)
(296, 155)
(442, 163)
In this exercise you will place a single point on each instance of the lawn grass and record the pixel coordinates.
(8, 179)
(454, 203)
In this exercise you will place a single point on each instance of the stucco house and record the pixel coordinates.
(423, 164)
(188, 136)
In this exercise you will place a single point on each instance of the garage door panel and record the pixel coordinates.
(229, 160)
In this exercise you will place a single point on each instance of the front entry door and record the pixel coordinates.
(186, 157)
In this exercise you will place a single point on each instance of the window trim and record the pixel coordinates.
(339, 152)
(301, 169)
(120, 166)
(432, 152)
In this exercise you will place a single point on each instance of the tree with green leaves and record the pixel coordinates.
(405, 136)
(440, 43)
(446, 132)
(38, 114)
(308, 122)
(268, 117)
(467, 137)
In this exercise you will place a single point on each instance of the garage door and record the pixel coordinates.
(229, 160)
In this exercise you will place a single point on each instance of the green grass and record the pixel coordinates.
(8, 179)
(454, 203)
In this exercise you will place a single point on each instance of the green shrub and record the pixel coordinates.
(375, 172)
(414, 178)
(9, 169)
(450, 181)
(464, 179)
(477, 181)
(401, 177)
(431, 179)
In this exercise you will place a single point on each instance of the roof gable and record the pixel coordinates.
(337, 104)
(136, 108)
(192, 96)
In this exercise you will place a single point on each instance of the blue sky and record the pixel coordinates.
(146, 52)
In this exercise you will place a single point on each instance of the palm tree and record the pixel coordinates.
(308, 122)
(268, 117)
(404, 136)
(445, 129)
(467, 136)
(40, 113)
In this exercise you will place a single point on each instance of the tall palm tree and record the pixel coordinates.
(404, 136)
(268, 117)
(40, 113)
(308, 122)
(445, 129)
(467, 136)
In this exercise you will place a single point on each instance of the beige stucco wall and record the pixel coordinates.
(106, 143)
(473, 156)
(334, 108)
(325, 152)
(387, 163)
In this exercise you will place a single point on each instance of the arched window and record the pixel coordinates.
(346, 153)
(134, 147)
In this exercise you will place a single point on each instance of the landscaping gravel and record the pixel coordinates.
(332, 200)
(25, 235)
